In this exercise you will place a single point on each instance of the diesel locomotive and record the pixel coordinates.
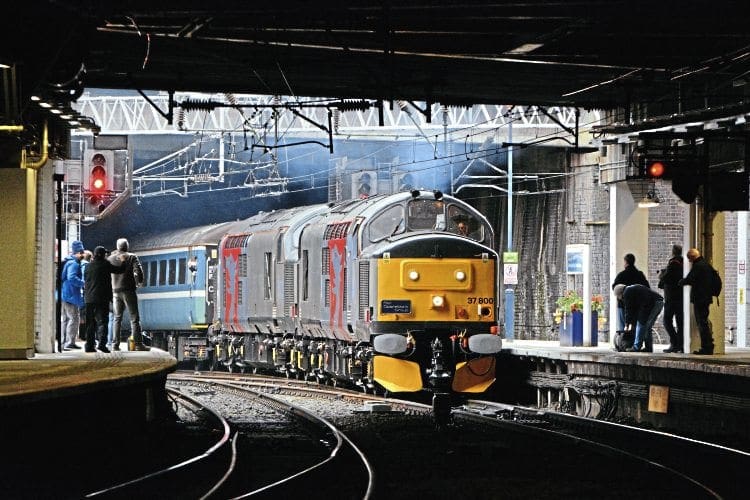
(396, 292)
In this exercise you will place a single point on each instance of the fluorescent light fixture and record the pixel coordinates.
(525, 48)
(651, 200)
(4, 66)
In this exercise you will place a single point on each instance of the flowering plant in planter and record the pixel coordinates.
(572, 302)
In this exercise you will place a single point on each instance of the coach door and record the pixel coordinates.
(212, 262)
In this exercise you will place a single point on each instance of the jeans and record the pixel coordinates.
(129, 299)
(71, 317)
(643, 328)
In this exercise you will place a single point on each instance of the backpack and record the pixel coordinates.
(623, 340)
(715, 283)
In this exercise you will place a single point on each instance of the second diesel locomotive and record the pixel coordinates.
(395, 291)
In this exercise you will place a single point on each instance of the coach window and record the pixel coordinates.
(182, 271)
(388, 223)
(172, 273)
(162, 272)
(153, 272)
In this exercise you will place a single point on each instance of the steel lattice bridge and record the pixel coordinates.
(118, 114)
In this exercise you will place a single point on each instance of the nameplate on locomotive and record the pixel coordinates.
(395, 307)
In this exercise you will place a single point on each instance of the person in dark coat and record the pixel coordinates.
(668, 281)
(124, 286)
(642, 305)
(97, 292)
(699, 279)
(631, 275)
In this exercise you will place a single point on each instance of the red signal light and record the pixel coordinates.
(98, 178)
(655, 169)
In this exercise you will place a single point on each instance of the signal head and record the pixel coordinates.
(656, 169)
(98, 179)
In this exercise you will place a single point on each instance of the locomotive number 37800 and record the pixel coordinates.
(481, 300)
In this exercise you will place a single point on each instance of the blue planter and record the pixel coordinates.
(571, 329)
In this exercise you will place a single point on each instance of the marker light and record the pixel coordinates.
(438, 301)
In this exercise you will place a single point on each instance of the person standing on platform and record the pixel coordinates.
(87, 256)
(631, 275)
(669, 278)
(72, 294)
(124, 286)
(641, 306)
(98, 295)
(699, 279)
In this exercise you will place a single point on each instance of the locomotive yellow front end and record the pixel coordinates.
(437, 315)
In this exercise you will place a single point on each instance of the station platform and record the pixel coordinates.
(706, 397)
(736, 361)
(120, 388)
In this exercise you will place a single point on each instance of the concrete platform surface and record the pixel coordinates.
(736, 361)
(48, 376)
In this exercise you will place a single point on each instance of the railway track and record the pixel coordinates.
(276, 448)
(706, 470)
(291, 436)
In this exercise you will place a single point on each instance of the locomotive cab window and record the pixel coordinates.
(425, 214)
(460, 222)
(388, 223)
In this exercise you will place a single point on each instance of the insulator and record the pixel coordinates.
(181, 118)
(352, 105)
(231, 98)
(336, 120)
(195, 105)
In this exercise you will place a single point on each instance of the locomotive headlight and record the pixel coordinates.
(438, 301)
(460, 275)
(413, 275)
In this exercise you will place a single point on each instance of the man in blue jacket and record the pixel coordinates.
(72, 294)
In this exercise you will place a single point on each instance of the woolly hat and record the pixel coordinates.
(76, 247)
(100, 253)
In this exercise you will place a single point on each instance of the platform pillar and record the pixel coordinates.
(628, 233)
(17, 253)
